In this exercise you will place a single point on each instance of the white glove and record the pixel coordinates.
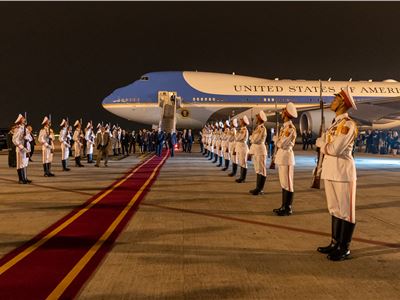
(320, 142)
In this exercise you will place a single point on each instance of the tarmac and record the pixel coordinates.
(200, 235)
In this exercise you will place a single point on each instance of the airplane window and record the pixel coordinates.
(144, 78)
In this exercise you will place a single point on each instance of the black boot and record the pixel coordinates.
(262, 183)
(220, 162)
(255, 191)
(46, 173)
(25, 175)
(49, 170)
(64, 165)
(336, 227)
(343, 250)
(276, 210)
(288, 205)
(215, 158)
(79, 162)
(234, 170)
(226, 165)
(243, 172)
(211, 156)
(88, 158)
(21, 179)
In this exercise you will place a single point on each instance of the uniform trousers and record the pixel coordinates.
(242, 157)
(47, 156)
(259, 164)
(64, 152)
(286, 177)
(341, 199)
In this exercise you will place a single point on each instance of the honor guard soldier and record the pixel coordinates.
(213, 140)
(259, 152)
(65, 139)
(78, 138)
(232, 143)
(225, 145)
(219, 143)
(241, 148)
(284, 158)
(46, 138)
(209, 142)
(20, 141)
(89, 137)
(339, 174)
(204, 138)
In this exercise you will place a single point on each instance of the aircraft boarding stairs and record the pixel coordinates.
(169, 103)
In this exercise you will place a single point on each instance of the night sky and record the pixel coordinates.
(64, 58)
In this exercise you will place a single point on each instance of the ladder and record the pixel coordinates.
(169, 103)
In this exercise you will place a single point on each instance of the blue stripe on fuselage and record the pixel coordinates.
(146, 91)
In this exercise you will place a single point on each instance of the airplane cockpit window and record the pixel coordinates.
(144, 78)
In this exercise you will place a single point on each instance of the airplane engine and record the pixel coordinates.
(312, 120)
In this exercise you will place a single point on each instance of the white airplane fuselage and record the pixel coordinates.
(204, 94)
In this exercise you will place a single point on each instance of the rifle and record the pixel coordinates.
(49, 136)
(316, 182)
(272, 165)
(27, 155)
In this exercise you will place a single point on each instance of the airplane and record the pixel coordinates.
(206, 97)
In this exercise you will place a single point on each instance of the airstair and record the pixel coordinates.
(169, 103)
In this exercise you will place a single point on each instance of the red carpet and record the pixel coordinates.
(57, 262)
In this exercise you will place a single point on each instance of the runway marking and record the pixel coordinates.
(266, 224)
(63, 285)
(62, 226)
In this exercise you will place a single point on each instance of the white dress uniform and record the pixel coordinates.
(25, 158)
(241, 147)
(231, 145)
(89, 137)
(225, 144)
(77, 142)
(64, 139)
(340, 178)
(258, 149)
(19, 141)
(284, 158)
(338, 168)
(46, 138)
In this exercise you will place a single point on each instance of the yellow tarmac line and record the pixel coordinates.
(63, 285)
(43, 240)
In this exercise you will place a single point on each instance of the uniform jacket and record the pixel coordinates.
(338, 163)
(285, 143)
(242, 137)
(106, 140)
(257, 140)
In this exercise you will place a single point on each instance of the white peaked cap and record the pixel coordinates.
(45, 120)
(216, 124)
(76, 123)
(227, 123)
(235, 123)
(246, 120)
(262, 115)
(88, 125)
(291, 109)
(98, 125)
(18, 118)
(348, 98)
(221, 124)
(63, 122)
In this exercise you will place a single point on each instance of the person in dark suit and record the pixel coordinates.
(102, 143)
(189, 141)
(172, 140)
(159, 141)
(132, 144)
